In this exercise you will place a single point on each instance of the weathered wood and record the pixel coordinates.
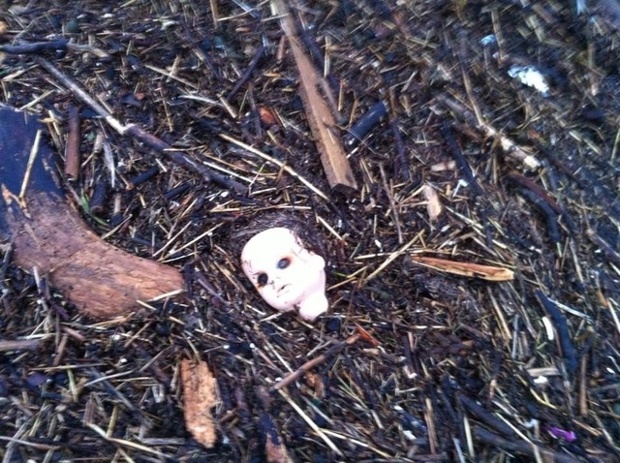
(19, 344)
(466, 269)
(72, 146)
(322, 124)
(46, 233)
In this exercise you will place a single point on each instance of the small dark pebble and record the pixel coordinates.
(36, 379)
(240, 348)
(332, 325)
(72, 27)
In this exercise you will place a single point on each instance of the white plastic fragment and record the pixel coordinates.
(541, 380)
(548, 328)
(488, 40)
(530, 76)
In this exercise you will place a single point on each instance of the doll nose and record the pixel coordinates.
(279, 282)
(276, 281)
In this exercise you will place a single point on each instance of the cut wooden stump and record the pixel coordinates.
(47, 233)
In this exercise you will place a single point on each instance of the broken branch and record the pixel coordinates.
(465, 269)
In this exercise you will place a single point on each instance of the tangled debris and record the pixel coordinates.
(198, 129)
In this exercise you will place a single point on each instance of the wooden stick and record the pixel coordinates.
(34, 48)
(322, 124)
(20, 344)
(510, 148)
(72, 146)
(291, 377)
(466, 269)
(247, 74)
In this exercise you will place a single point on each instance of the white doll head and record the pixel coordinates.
(285, 274)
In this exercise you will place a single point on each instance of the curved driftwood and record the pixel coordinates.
(47, 233)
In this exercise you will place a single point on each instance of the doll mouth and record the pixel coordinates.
(284, 289)
(287, 290)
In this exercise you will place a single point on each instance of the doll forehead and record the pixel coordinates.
(273, 240)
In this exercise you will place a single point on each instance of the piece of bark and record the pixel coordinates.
(199, 397)
(320, 119)
(275, 450)
(466, 269)
(47, 233)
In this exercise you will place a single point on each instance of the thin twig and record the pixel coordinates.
(280, 164)
(31, 158)
(513, 150)
(72, 145)
(393, 256)
(288, 379)
(248, 73)
(34, 47)
(311, 423)
(571, 358)
(459, 158)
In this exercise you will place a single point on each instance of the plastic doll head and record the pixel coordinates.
(285, 274)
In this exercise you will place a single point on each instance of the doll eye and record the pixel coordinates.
(262, 279)
(284, 263)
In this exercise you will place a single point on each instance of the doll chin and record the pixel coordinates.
(313, 306)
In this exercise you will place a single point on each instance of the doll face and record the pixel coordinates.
(286, 275)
